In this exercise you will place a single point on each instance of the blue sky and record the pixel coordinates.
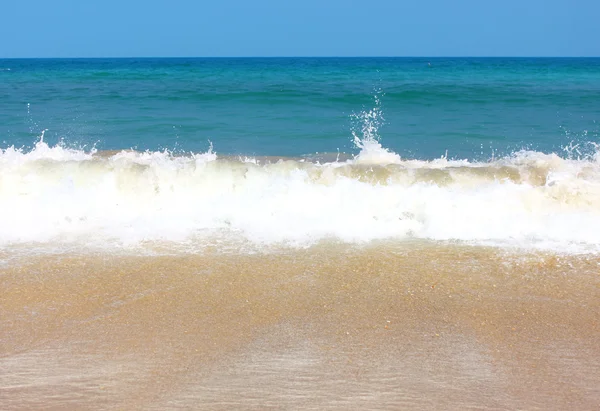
(109, 28)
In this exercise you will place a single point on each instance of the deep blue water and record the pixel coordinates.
(470, 107)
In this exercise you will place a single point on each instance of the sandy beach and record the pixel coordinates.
(418, 326)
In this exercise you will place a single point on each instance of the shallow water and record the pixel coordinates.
(329, 327)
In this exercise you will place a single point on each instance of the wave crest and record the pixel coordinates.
(55, 194)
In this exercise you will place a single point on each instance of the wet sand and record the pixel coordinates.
(330, 327)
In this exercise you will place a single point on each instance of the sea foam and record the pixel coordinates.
(72, 197)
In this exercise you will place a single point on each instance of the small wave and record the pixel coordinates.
(127, 198)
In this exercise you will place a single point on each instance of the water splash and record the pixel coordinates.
(366, 138)
(43, 151)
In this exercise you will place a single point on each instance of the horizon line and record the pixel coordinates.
(297, 57)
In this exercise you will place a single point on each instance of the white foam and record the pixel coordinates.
(40, 152)
(71, 197)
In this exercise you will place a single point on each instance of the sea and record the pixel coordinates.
(300, 233)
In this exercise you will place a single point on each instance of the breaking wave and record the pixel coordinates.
(52, 194)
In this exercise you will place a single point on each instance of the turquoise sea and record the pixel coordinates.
(472, 108)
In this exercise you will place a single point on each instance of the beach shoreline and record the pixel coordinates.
(328, 327)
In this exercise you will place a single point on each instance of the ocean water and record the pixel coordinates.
(472, 108)
(315, 233)
(294, 151)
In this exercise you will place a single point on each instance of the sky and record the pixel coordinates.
(201, 28)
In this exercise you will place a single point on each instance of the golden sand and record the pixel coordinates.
(330, 327)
